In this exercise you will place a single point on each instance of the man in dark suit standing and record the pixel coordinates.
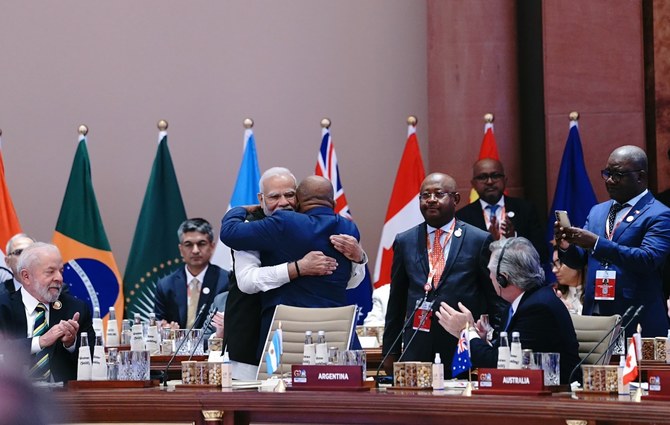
(624, 244)
(43, 324)
(15, 246)
(442, 259)
(541, 318)
(181, 294)
(286, 236)
(500, 215)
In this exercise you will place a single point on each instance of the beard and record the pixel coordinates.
(47, 294)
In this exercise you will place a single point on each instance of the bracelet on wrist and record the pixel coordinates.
(297, 269)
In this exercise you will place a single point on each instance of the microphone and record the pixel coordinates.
(205, 326)
(188, 333)
(618, 322)
(622, 330)
(402, 330)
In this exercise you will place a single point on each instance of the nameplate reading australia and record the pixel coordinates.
(511, 380)
(326, 376)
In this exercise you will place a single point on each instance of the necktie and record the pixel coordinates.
(40, 369)
(510, 313)
(194, 297)
(492, 216)
(611, 217)
(437, 257)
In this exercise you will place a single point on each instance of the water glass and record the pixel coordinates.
(353, 358)
(134, 365)
(551, 365)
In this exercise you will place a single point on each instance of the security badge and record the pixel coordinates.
(423, 316)
(605, 284)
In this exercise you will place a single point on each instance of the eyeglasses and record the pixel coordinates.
(616, 176)
(16, 252)
(425, 196)
(557, 263)
(493, 176)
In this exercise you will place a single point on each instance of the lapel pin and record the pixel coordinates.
(205, 290)
(629, 218)
(57, 305)
(511, 214)
(637, 211)
(458, 232)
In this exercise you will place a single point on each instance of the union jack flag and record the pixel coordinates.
(326, 166)
(461, 361)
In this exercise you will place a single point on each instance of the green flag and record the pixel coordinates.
(154, 253)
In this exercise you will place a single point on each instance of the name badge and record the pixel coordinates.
(423, 316)
(605, 285)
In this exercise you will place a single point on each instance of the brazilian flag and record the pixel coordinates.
(154, 252)
(90, 270)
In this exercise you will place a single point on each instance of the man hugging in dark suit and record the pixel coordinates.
(500, 215)
(442, 259)
(181, 294)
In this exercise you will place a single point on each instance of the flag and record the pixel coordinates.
(489, 149)
(630, 368)
(574, 192)
(154, 252)
(403, 210)
(327, 166)
(89, 269)
(9, 222)
(245, 193)
(461, 361)
(273, 356)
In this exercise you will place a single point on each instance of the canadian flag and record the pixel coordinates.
(489, 148)
(403, 210)
(630, 368)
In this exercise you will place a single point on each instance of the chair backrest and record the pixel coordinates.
(590, 330)
(337, 322)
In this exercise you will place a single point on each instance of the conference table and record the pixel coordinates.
(183, 405)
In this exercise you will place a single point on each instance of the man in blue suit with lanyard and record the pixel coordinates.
(624, 242)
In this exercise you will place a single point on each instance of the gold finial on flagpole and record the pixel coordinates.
(83, 130)
(325, 123)
(248, 123)
(412, 120)
(162, 125)
(488, 118)
(574, 116)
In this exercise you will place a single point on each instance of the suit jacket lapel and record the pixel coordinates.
(19, 311)
(422, 252)
(211, 280)
(181, 296)
(454, 248)
(635, 212)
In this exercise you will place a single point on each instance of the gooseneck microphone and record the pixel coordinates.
(188, 334)
(402, 330)
(205, 326)
(618, 322)
(622, 330)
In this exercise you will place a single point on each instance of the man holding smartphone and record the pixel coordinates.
(625, 242)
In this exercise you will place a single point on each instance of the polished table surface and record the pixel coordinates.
(191, 405)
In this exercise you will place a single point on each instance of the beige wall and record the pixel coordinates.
(204, 66)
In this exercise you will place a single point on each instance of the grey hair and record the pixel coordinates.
(273, 172)
(31, 255)
(199, 225)
(10, 243)
(520, 263)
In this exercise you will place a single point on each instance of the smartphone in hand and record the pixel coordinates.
(562, 218)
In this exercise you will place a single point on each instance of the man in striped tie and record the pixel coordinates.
(42, 324)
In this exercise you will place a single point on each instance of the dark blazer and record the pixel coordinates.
(526, 222)
(288, 236)
(62, 363)
(465, 279)
(637, 252)
(544, 326)
(171, 300)
(7, 287)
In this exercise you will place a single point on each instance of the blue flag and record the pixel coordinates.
(574, 192)
(244, 193)
(461, 361)
(273, 357)
(327, 166)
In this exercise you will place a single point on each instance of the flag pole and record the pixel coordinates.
(637, 397)
(467, 392)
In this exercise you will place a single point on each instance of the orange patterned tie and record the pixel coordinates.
(437, 257)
